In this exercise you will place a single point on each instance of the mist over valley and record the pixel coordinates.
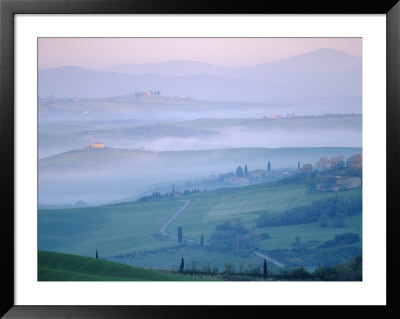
(220, 173)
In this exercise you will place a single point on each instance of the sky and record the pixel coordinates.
(104, 53)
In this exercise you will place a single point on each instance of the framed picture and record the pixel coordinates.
(164, 159)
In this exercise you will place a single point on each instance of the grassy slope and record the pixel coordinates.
(121, 229)
(112, 229)
(212, 208)
(65, 267)
(283, 236)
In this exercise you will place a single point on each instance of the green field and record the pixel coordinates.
(113, 229)
(282, 237)
(65, 267)
(130, 232)
(212, 208)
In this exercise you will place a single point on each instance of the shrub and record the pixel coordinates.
(233, 236)
(264, 236)
(229, 268)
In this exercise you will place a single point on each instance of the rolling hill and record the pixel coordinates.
(131, 232)
(54, 266)
(97, 176)
(217, 160)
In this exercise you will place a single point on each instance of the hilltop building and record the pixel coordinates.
(95, 145)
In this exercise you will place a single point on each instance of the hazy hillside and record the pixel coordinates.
(201, 133)
(102, 175)
(322, 73)
(323, 60)
(318, 60)
(156, 109)
(97, 159)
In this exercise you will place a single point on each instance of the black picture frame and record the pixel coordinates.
(9, 8)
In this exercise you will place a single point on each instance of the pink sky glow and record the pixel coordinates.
(103, 53)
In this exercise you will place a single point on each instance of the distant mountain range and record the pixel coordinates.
(327, 60)
(321, 73)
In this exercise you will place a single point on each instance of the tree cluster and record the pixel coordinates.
(306, 168)
(239, 172)
(155, 195)
(323, 209)
(350, 271)
(345, 239)
(353, 163)
(233, 237)
(158, 195)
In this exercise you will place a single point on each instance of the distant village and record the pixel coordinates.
(242, 177)
(335, 174)
(276, 117)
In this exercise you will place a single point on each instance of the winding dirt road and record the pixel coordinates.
(163, 229)
(272, 261)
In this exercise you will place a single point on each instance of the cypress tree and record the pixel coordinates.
(269, 166)
(180, 234)
(97, 254)
(202, 241)
(182, 266)
(265, 269)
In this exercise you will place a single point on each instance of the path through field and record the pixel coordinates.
(273, 261)
(163, 229)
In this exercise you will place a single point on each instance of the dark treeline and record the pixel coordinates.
(155, 195)
(336, 207)
(302, 256)
(345, 271)
(159, 195)
(345, 239)
(349, 271)
(144, 253)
